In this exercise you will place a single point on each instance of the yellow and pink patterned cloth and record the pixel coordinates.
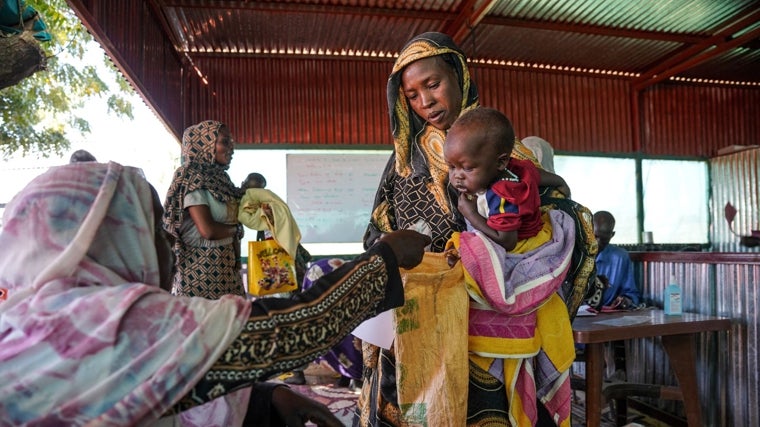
(518, 322)
(514, 325)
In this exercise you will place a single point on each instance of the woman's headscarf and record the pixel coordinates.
(199, 170)
(427, 155)
(87, 337)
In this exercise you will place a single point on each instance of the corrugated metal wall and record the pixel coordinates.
(699, 120)
(329, 102)
(735, 178)
(280, 101)
(574, 113)
(343, 102)
(729, 286)
(726, 362)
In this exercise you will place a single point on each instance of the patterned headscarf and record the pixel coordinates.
(87, 337)
(199, 170)
(426, 153)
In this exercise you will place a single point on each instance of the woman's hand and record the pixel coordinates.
(296, 409)
(548, 179)
(407, 245)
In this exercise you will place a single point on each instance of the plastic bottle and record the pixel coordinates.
(672, 297)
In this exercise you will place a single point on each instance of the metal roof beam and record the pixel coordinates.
(593, 30)
(698, 53)
(697, 59)
(157, 7)
(467, 19)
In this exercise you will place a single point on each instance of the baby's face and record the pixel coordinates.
(473, 165)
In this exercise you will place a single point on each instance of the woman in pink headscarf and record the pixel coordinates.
(89, 337)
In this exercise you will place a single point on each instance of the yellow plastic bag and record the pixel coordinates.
(432, 366)
(271, 270)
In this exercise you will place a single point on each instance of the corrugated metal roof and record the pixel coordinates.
(674, 16)
(711, 39)
(594, 67)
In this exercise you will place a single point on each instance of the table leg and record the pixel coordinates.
(594, 367)
(680, 349)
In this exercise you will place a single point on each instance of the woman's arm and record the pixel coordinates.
(207, 227)
(467, 206)
(284, 333)
(548, 179)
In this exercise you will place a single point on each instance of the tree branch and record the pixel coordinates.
(24, 58)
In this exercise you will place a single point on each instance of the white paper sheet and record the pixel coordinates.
(377, 330)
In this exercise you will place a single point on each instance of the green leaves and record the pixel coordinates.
(37, 113)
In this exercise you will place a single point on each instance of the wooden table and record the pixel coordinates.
(677, 336)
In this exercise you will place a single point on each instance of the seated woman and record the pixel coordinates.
(90, 335)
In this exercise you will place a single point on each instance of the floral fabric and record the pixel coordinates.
(86, 335)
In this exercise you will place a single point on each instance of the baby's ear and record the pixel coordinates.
(503, 160)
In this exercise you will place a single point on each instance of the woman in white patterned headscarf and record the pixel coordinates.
(89, 337)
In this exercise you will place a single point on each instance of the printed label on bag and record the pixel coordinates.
(271, 269)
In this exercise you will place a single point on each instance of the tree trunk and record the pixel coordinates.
(22, 57)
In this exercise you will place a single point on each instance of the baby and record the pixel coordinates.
(498, 195)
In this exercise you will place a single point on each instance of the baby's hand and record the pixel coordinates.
(452, 257)
(267, 211)
(467, 205)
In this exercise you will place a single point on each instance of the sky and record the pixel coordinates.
(143, 142)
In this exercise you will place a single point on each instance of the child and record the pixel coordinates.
(272, 206)
(515, 258)
(254, 180)
(498, 195)
(257, 180)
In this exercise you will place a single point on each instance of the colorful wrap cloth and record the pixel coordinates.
(518, 328)
(87, 337)
(518, 316)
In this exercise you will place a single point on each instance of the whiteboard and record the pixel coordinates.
(331, 195)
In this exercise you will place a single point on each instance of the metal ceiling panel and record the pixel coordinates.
(572, 50)
(694, 17)
(620, 36)
(613, 72)
(317, 29)
(731, 66)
